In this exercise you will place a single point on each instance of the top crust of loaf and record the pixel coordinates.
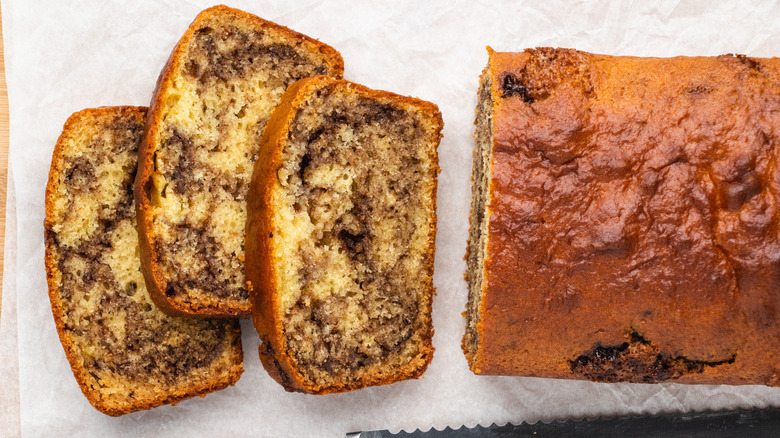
(632, 219)
(267, 257)
(125, 354)
(202, 199)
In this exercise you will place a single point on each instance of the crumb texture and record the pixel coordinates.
(357, 188)
(129, 354)
(628, 195)
(479, 214)
(225, 82)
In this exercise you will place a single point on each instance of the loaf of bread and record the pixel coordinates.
(341, 234)
(207, 116)
(625, 219)
(125, 354)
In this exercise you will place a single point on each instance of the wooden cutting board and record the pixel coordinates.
(3, 152)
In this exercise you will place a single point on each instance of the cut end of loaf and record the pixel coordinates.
(479, 219)
(354, 218)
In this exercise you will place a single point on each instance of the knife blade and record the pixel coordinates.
(739, 423)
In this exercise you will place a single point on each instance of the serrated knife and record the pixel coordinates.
(739, 423)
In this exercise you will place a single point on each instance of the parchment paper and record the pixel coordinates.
(63, 56)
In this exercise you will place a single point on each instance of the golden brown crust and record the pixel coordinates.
(68, 138)
(633, 219)
(152, 138)
(262, 256)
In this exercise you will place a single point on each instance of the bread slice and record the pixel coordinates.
(208, 113)
(341, 234)
(125, 354)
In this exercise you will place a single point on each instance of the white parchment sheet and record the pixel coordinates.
(63, 56)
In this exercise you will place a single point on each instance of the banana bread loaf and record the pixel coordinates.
(341, 234)
(125, 354)
(625, 219)
(208, 113)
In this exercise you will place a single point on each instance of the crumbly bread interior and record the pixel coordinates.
(231, 76)
(477, 244)
(357, 211)
(126, 353)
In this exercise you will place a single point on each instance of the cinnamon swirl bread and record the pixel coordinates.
(126, 354)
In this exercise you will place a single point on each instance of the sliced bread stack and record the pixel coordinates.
(333, 209)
